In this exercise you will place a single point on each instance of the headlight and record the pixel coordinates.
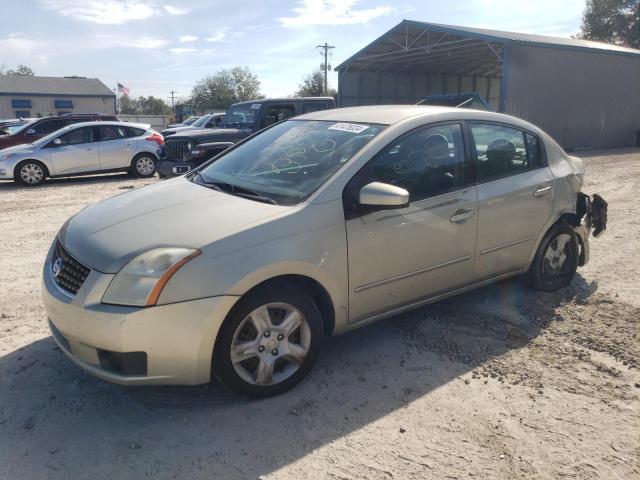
(6, 156)
(140, 282)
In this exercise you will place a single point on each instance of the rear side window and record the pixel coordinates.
(133, 132)
(503, 151)
(111, 132)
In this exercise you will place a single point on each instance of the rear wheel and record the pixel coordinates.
(30, 173)
(143, 165)
(269, 342)
(556, 260)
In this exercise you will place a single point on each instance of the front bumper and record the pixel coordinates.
(174, 168)
(176, 339)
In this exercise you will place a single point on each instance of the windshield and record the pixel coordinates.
(289, 161)
(202, 121)
(22, 127)
(243, 115)
(190, 120)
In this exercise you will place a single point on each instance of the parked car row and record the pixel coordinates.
(27, 158)
(82, 148)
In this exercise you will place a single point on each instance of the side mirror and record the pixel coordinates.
(383, 195)
(57, 141)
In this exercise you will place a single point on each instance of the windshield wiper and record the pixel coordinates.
(234, 190)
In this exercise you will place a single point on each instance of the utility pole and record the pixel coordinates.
(325, 66)
(172, 97)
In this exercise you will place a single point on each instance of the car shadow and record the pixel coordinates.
(56, 420)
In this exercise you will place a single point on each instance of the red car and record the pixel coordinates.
(32, 131)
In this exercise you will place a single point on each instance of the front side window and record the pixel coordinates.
(426, 163)
(77, 136)
(289, 161)
(48, 126)
(503, 151)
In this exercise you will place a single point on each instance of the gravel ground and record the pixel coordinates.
(499, 383)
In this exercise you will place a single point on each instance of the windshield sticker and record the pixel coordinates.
(255, 106)
(348, 127)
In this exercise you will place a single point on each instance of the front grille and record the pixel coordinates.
(68, 273)
(176, 149)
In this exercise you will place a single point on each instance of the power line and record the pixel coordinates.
(325, 66)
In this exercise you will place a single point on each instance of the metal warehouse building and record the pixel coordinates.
(30, 96)
(585, 94)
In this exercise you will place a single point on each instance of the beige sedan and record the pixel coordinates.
(313, 227)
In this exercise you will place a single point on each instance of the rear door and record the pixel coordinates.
(515, 196)
(116, 146)
(77, 152)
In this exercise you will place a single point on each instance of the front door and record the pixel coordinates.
(515, 196)
(76, 152)
(398, 257)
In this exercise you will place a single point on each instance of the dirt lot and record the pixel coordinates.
(499, 383)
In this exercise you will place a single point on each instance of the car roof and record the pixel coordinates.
(115, 123)
(390, 114)
(294, 99)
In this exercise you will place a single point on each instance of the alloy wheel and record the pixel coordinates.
(31, 173)
(145, 166)
(270, 344)
(555, 262)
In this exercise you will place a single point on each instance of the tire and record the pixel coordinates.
(30, 173)
(143, 165)
(271, 346)
(556, 259)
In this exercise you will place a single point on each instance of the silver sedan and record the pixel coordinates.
(81, 149)
(316, 226)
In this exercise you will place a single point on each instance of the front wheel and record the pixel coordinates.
(30, 173)
(269, 342)
(556, 259)
(143, 165)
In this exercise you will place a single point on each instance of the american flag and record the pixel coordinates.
(122, 89)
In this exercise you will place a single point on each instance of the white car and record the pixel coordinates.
(316, 225)
(84, 148)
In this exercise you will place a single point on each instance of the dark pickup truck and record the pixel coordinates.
(186, 150)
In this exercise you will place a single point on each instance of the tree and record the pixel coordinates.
(612, 21)
(152, 106)
(224, 88)
(126, 105)
(143, 106)
(313, 86)
(21, 70)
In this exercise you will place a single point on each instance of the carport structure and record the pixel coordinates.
(586, 94)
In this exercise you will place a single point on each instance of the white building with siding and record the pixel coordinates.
(31, 96)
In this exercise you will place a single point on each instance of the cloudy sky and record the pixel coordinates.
(155, 46)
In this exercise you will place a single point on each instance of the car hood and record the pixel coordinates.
(214, 134)
(106, 235)
(23, 148)
(178, 129)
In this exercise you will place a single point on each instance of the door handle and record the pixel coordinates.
(541, 191)
(89, 149)
(463, 214)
